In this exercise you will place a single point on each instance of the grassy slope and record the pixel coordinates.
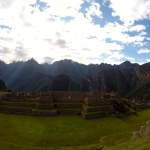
(47, 133)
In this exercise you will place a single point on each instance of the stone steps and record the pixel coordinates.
(15, 110)
(19, 104)
(19, 99)
(68, 111)
(87, 108)
(45, 106)
(68, 105)
(27, 111)
(67, 100)
(98, 114)
(37, 112)
(55, 103)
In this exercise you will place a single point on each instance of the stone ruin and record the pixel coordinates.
(142, 133)
(87, 104)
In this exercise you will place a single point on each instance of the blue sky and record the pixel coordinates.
(86, 31)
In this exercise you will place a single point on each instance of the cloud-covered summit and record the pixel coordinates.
(87, 31)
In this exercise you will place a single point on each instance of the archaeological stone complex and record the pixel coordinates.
(87, 104)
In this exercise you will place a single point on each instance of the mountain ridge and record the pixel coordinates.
(32, 76)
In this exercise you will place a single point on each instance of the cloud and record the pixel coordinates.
(137, 28)
(104, 1)
(130, 11)
(63, 31)
(117, 58)
(61, 43)
(64, 8)
(141, 51)
(4, 50)
(148, 38)
(118, 32)
(48, 60)
(93, 10)
(148, 60)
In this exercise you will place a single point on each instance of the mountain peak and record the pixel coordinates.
(128, 64)
(32, 61)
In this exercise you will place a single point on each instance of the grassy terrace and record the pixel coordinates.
(68, 132)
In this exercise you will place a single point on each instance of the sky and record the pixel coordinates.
(85, 31)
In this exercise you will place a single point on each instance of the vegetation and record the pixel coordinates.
(70, 132)
(141, 91)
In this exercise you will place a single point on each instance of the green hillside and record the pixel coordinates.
(70, 132)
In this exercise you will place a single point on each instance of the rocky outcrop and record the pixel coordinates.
(145, 130)
(142, 133)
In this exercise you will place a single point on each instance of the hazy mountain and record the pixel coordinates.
(77, 71)
(126, 78)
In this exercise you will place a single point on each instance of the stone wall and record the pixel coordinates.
(15, 110)
(142, 133)
(92, 115)
(92, 105)
(69, 105)
(68, 96)
(96, 108)
(44, 106)
(19, 104)
(68, 112)
(96, 101)
(43, 113)
(139, 106)
(45, 99)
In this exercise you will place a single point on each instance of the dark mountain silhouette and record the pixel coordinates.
(127, 64)
(77, 71)
(72, 69)
(129, 80)
(140, 83)
(63, 83)
(3, 86)
(86, 84)
(130, 83)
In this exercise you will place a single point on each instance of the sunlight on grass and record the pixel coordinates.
(67, 131)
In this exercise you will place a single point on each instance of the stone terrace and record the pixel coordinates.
(89, 105)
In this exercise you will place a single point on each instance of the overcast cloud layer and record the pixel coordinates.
(85, 31)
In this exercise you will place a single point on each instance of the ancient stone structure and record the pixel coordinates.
(143, 132)
(89, 105)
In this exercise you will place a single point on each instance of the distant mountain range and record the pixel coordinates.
(129, 80)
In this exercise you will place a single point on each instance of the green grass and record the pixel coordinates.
(66, 132)
(141, 144)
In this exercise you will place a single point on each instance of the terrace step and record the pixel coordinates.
(37, 112)
(87, 108)
(45, 105)
(67, 100)
(74, 105)
(98, 114)
(18, 104)
(15, 110)
(69, 111)
(21, 99)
